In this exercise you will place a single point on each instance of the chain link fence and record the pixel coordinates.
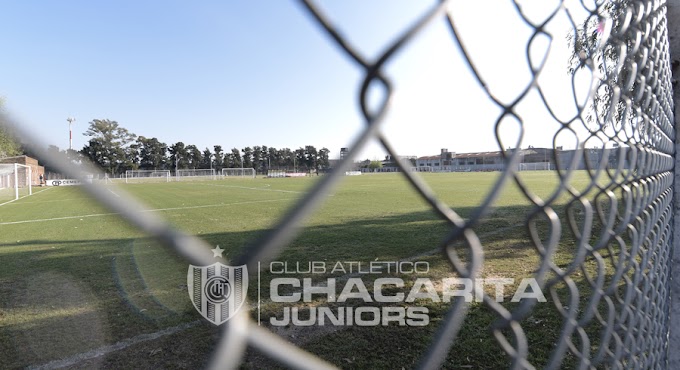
(612, 298)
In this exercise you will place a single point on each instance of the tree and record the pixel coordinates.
(606, 60)
(108, 146)
(247, 157)
(324, 159)
(131, 158)
(94, 151)
(299, 159)
(194, 157)
(178, 156)
(73, 156)
(219, 162)
(207, 161)
(257, 158)
(286, 156)
(375, 165)
(53, 151)
(273, 157)
(152, 153)
(265, 158)
(9, 145)
(235, 160)
(311, 158)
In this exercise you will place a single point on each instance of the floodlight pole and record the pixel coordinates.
(70, 132)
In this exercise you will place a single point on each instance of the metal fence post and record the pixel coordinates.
(673, 21)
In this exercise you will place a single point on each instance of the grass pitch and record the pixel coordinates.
(76, 278)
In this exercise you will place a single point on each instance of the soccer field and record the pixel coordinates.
(80, 287)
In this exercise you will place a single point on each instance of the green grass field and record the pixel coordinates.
(76, 278)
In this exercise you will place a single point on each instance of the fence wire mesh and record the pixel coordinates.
(612, 298)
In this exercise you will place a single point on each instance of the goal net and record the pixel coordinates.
(538, 166)
(195, 174)
(15, 182)
(132, 176)
(238, 172)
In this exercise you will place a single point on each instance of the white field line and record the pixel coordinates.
(260, 189)
(113, 192)
(34, 193)
(85, 198)
(101, 351)
(146, 210)
(73, 360)
(51, 201)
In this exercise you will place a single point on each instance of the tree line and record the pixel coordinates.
(9, 146)
(115, 150)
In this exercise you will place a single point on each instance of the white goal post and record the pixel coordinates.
(538, 166)
(238, 172)
(132, 176)
(15, 182)
(196, 174)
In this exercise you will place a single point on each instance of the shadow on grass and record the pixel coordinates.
(99, 292)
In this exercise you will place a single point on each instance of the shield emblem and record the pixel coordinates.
(217, 291)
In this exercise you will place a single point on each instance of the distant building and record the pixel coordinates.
(390, 163)
(530, 159)
(344, 152)
(448, 161)
(593, 158)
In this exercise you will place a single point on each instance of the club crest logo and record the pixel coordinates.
(217, 291)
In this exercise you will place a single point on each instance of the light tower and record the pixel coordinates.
(70, 132)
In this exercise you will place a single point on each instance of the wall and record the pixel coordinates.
(36, 169)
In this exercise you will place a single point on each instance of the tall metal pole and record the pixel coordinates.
(70, 132)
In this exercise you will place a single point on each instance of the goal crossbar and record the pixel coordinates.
(238, 172)
(15, 177)
(196, 173)
(140, 175)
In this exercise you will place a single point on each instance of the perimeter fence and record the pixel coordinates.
(612, 298)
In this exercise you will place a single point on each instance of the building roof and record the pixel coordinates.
(476, 155)
(430, 157)
(530, 150)
(463, 155)
(15, 157)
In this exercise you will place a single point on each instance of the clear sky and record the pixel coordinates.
(245, 73)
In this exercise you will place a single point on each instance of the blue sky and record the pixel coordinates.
(247, 73)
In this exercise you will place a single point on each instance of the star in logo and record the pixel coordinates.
(217, 251)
